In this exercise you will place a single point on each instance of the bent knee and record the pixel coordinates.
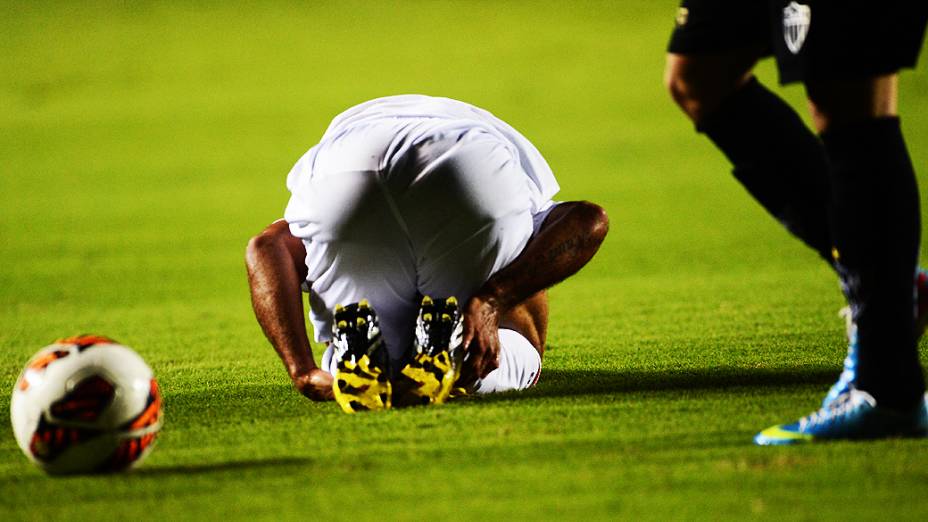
(681, 88)
(844, 102)
(700, 83)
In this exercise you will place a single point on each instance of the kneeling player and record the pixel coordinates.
(408, 206)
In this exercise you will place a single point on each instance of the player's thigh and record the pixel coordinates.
(384, 275)
(469, 215)
(819, 41)
(841, 102)
(359, 250)
(713, 50)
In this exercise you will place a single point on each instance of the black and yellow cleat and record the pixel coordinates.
(435, 362)
(362, 376)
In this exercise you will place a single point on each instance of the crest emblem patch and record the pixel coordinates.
(796, 20)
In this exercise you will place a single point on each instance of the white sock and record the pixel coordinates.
(328, 359)
(519, 365)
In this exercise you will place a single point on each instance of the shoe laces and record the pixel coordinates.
(849, 371)
(841, 406)
(850, 327)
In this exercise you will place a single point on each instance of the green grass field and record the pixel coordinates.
(142, 144)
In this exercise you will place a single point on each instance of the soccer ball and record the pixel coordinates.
(86, 404)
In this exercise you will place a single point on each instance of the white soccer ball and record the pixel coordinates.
(86, 404)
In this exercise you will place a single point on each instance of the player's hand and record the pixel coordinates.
(315, 384)
(481, 337)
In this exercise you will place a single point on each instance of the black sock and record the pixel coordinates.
(876, 229)
(777, 159)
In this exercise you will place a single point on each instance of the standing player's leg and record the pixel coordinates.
(780, 162)
(875, 216)
(774, 155)
(876, 229)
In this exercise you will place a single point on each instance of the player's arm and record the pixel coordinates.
(567, 240)
(276, 269)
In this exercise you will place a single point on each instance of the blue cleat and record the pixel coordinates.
(853, 415)
(849, 373)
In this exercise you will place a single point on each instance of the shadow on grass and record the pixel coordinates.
(563, 383)
(219, 467)
(157, 472)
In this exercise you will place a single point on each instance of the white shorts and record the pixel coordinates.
(448, 213)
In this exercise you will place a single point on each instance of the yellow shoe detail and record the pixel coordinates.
(442, 362)
(358, 387)
(777, 433)
(435, 376)
(419, 370)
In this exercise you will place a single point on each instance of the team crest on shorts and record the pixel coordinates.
(796, 20)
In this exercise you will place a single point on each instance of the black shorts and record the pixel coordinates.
(812, 39)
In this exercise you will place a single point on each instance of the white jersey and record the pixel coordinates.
(412, 118)
(412, 195)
